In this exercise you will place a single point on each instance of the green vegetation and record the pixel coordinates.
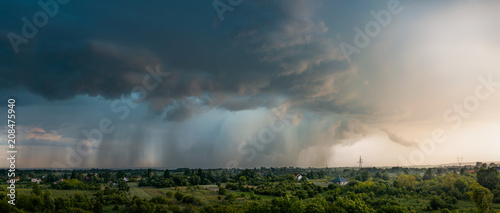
(376, 190)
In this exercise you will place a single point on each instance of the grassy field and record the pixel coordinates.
(206, 193)
(25, 188)
(138, 191)
(110, 208)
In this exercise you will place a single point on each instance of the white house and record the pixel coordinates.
(298, 176)
(35, 180)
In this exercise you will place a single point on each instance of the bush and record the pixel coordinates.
(191, 200)
(301, 194)
(178, 195)
(438, 203)
(232, 186)
(230, 198)
(160, 200)
(218, 209)
(287, 204)
(481, 197)
(346, 204)
(254, 197)
(75, 184)
(388, 208)
(222, 191)
(169, 194)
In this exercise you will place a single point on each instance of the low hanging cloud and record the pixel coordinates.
(398, 139)
(277, 49)
(265, 55)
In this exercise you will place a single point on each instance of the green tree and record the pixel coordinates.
(61, 204)
(448, 183)
(106, 175)
(178, 195)
(223, 177)
(148, 173)
(120, 175)
(97, 208)
(37, 190)
(290, 177)
(428, 174)
(482, 197)
(139, 206)
(200, 173)
(488, 178)
(388, 208)
(166, 174)
(287, 204)
(364, 176)
(460, 185)
(123, 186)
(317, 205)
(210, 176)
(222, 191)
(48, 201)
(195, 180)
(406, 181)
(5, 207)
(355, 205)
(191, 200)
(230, 198)
(438, 203)
(301, 194)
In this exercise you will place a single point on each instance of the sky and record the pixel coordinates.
(219, 84)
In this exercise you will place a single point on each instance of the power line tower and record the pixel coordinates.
(460, 160)
(360, 162)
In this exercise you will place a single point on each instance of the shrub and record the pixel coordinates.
(191, 200)
(178, 195)
(301, 194)
(388, 208)
(438, 203)
(230, 198)
(169, 194)
(222, 191)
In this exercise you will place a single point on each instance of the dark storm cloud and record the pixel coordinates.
(79, 68)
(265, 54)
(264, 48)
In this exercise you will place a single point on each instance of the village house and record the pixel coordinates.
(298, 176)
(35, 180)
(340, 181)
(16, 179)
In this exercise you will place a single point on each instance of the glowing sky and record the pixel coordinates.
(423, 87)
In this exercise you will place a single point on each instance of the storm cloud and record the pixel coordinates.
(228, 78)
